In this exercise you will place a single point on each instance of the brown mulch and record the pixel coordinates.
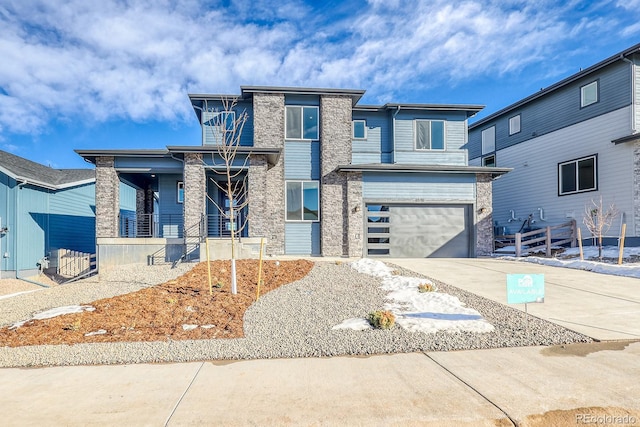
(158, 313)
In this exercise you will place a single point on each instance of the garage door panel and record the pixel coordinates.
(420, 231)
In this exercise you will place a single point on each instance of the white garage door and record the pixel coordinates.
(418, 231)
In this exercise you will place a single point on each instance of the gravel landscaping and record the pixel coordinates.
(294, 320)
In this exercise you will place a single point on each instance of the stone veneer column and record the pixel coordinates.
(194, 192)
(107, 197)
(335, 150)
(266, 199)
(356, 215)
(484, 214)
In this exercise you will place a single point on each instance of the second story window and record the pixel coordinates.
(301, 122)
(489, 161)
(589, 94)
(429, 135)
(489, 140)
(180, 195)
(359, 129)
(514, 125)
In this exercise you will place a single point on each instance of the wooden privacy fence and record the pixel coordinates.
(74, 263)
(540, 238)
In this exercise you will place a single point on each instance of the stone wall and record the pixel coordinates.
(636, 189)
(266, 199)
(484, 215)
(107, 197)
(356, 215)
(335, 150)
(194, 193)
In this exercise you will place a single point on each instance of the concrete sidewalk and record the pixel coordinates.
(602, 306)
(531, 386)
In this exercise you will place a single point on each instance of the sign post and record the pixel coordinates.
(525, 289)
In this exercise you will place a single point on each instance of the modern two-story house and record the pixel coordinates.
(568, 144)
(324, 176)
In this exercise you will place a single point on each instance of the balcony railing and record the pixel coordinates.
(151, 225)
(219, 226)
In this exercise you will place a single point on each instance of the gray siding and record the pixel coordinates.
(455, 139)
(560, 109)
(533, 183)
(302, 160)
(302, 238)
(636, 90)
(418, 187)
(150, 164)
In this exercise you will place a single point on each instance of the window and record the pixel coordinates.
(514, 125)
(489, 140)
(180, 192)
(359, 129)
(301, 122)
(589, 94)
(489, 161)
(577, 176)
(303, 199)
(429, 134)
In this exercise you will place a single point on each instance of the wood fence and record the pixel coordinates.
(74, 263)
(540, 238)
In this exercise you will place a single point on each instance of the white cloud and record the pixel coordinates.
(137, 60)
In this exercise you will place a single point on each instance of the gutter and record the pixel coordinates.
(633, 92)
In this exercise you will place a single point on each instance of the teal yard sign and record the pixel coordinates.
(525, 288)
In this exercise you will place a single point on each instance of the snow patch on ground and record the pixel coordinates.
(54, 312)
(416, 311)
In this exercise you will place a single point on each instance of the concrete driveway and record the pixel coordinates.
(602, 306)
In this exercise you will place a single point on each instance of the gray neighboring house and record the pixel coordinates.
(567, 144)
(325, 176)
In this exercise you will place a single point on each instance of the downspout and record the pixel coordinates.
(15, 238)
(633, 92)
(393, 160)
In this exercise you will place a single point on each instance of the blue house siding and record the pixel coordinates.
(31, 232)
(377, 146)
(302, 160)
(170, 212)
(455, 139)
(7, 220)
(246, 138)
(302, 238)
(309, 100)
(559, 109)
(418, 187)
(72, 219)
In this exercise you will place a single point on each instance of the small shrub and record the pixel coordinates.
(426, 287)
(381, 319)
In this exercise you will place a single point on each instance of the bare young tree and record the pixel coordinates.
(598, 220)
(225, 126)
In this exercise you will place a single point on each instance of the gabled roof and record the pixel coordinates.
(621, 56)
(33, 173)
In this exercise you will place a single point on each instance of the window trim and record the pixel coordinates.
(482, 134)
(488, 157)
(415, 135)
(301, 181)
(519, 117)
(180, 186)
(582, 98)
(353, 129)
(302, 138)
(576, 161)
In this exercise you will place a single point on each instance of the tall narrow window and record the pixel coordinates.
(514, 125)
(577, 176)
(301, 122)
(180, 194)
(489, 140)
(429, 134)
(303, 200)
(589, 94)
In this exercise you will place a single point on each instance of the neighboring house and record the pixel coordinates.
(572, 142)
(325, 176)
(42, 209)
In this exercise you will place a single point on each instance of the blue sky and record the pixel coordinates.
(116, 73)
